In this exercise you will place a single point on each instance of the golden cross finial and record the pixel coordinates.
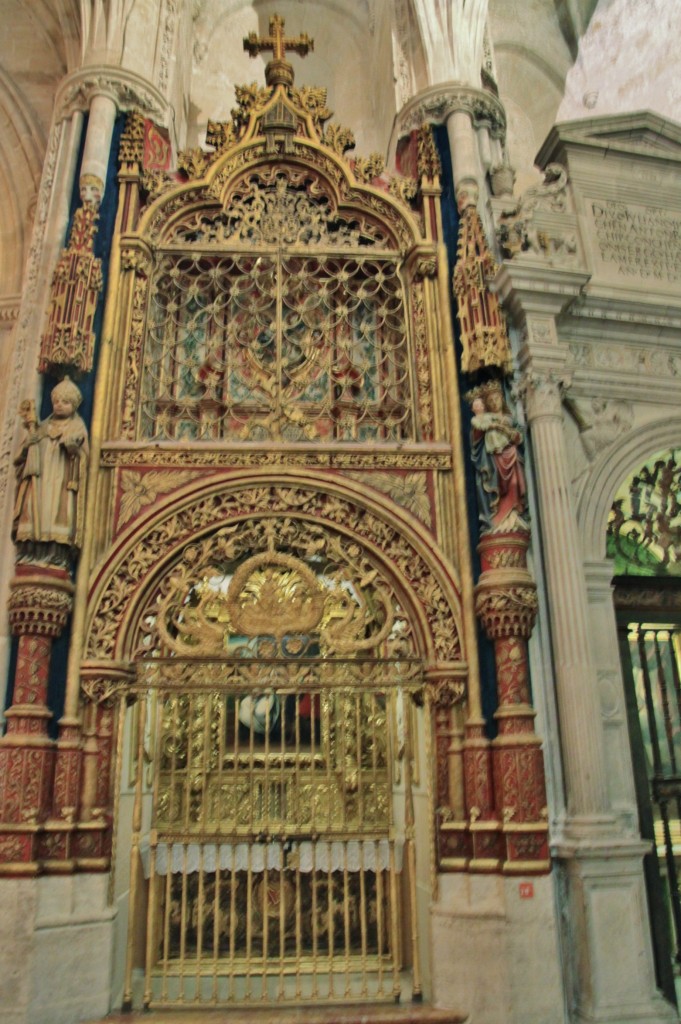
(278, 70)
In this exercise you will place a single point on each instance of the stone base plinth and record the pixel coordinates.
(364, 1013)
(55, 949)
(501, 964)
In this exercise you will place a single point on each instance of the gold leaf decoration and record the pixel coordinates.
(369, 167)
(339, 139)
(313, 102)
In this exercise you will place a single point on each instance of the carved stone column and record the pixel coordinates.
(506, 602)
(39, 607)
(577, 693)
(102, 688)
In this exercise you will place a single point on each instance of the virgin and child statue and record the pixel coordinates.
(495, 440)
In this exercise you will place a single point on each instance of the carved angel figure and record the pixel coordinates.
(500, 477)
(51, 471)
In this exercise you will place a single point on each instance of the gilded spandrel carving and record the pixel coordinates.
(138, 490)
(409, 491)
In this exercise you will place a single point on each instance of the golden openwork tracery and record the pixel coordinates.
(276, 318)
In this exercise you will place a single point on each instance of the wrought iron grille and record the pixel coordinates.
(281, 816)
(655, 656)
(276, 346)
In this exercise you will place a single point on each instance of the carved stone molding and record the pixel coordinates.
(127, 90)
(232, 458)
(9, 309)
(435, 104)
(39, 605)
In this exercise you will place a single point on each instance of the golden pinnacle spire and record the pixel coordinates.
(278, 71)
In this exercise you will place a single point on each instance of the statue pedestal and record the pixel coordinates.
(506, 602)
(39, 607)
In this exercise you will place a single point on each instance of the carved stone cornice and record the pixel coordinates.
(435, 104)
(537, 288)
(125, 88)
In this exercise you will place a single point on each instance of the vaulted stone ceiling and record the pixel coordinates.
(36, 50)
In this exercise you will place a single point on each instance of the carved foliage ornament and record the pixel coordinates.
(140, 562)
(439, 102)
(127, 89)
(281, 206)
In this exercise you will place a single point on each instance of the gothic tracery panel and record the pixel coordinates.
(276, 346)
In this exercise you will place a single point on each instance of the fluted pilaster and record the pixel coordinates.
(576, 688)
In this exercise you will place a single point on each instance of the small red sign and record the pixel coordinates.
(526, 890)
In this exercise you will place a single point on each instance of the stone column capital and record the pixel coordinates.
(39, 604)
(103, 683)
(126, 89)
(542, 393)
(437, 103)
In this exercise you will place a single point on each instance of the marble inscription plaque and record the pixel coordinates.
(638, 241)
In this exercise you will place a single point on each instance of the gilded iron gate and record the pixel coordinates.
(281, 840)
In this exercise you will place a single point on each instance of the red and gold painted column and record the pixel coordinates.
(505, 788)
(39, 607)
(506, 602)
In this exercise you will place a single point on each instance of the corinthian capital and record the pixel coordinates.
(542, 393)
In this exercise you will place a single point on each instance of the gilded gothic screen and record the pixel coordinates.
(276, 319)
